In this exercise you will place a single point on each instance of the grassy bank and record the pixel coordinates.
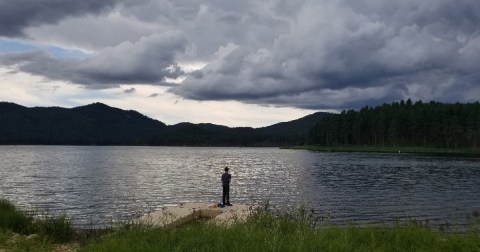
(20, 231)
(264, 231)
(267, 233)
(465, 152)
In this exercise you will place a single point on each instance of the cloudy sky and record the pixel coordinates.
(238, 63)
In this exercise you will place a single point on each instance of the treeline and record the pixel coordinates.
(402, 123)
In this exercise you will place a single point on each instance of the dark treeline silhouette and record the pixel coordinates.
(99, 124)
(433, 124)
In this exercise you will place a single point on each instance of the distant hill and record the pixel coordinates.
(292, 131)
(7, 107)
(94, 124)
(99, 124)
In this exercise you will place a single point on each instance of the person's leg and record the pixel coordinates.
(228, 195)
(224, 194)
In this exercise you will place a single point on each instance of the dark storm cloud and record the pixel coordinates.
(327, 54)
(129, 91)
(232, 18)
(150, 60)
(19, 14)
(349, 50)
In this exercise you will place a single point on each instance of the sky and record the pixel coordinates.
(238, 63)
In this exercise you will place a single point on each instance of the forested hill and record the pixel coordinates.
(93, 124)
(99, 124)
(433, 124)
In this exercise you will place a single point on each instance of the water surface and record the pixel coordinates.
(98, 184)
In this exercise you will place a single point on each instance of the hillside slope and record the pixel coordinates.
(99, 124)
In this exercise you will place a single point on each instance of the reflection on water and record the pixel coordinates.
(96, 184)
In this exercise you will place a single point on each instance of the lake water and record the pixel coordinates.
(98, 184)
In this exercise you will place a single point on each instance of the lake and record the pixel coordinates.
(94, 184)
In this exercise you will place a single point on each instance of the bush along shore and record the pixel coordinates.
(263, 231)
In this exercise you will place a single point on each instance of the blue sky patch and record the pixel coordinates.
(12, 46)
(7, 46)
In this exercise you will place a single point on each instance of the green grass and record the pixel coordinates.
(11, 218)
(264, 231)
(16, 225)
(466, 152)
(267, 232)
(9, 242)
(57, 228)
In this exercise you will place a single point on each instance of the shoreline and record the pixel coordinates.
(439, 152)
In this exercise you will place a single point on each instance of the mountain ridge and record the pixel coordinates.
(100, 124)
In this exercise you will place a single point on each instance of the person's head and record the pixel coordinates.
(226, 169)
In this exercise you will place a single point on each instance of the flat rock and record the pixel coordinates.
(183, 213)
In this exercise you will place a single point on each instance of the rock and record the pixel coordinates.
(66, 247)
(32, 236)
(14, 238)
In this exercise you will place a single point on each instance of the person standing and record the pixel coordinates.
(226, 178)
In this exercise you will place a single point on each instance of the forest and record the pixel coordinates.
(399, 124)
(433, 124)
(99, 124)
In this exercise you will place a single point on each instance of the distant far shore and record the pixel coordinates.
(461, 152)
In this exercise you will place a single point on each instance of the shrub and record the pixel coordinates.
(14, 219)
(58, 228)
